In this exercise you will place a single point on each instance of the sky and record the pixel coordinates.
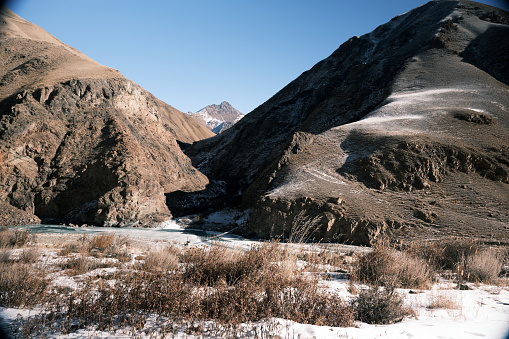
(193, 53)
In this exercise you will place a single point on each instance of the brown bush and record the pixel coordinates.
(442, 299)
(445, 254)
(233, 287)
(21, 285)
(73, 247)
(378, 305)
(29, 255)
(162, 260)
(82, 264)
(102, 241)
(5, 257)
(483, 266)
(10, 238)
(213, 264)
(386, 266)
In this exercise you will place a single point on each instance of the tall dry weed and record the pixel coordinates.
(386, 266)
(483, 266)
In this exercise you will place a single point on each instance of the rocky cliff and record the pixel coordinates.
(79, 142)
(404, 131)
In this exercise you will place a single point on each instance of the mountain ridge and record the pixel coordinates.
(350, 142)
(79, 142)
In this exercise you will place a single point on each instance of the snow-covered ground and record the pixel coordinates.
(482, 311)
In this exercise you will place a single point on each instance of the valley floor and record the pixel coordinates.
(78, 261)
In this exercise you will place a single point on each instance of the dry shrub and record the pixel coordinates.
(483, 266)
(162, 260)
(207, 266)
(445, 254)
(82, 264)
(78, 265)
(230, 287)
(378, 305)
(10, 238)
(386, 266)
(303, 227)
(102, 241)
(442, 299)
(301, 301)
(21, 285)
(5, 257)
(29, 255)
(72, 247)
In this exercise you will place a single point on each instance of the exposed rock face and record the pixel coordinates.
(404, 130)
(218, 118)
(80, 143)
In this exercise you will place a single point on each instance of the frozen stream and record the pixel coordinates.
(171, 231)
(167, 231)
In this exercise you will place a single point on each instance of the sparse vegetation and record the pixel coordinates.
(442, 299)
(188, 286)
(445, 254)
(386, 266)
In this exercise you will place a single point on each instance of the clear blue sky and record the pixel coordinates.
(192, 53)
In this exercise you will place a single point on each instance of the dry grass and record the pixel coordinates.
(163, 260)
(445, 254)
(212, 283)
(10, 238)
(102, 245)
(302, 227)
(386, 266)
(29, 255)
(21, 285)
(325, 256)
(483, 266)
(442, 299)
(102, 241)
(188, 285)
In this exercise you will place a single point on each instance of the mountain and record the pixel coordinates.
(218, 118)
(79, 142)
(402, 131)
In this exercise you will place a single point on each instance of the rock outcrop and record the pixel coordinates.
(80, 143)
(404, 131)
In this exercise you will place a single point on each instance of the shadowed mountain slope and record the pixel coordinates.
(404, 130)
(79, 142)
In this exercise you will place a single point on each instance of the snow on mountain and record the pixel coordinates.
(218, 117)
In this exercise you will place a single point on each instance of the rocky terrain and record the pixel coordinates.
(80, 143)
(404, 130)
(218, 118)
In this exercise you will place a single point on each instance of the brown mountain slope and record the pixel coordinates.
(80, 143)
(404, 130)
